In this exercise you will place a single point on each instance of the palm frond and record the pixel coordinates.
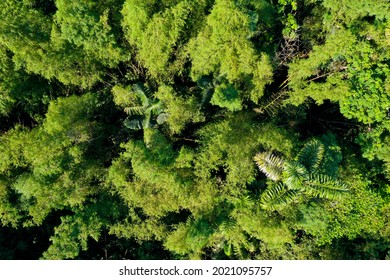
(273, 104)
(277, 196)
(270, 164)
(294, 174)
(146, 122)
(143, 102)
(140, 91)
(228, 248)
(227, 227)
(135, 110)
(155, 108)
(311, 155)
(325, 186)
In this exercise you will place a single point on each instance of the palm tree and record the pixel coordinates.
(294, 178)
(145, 108)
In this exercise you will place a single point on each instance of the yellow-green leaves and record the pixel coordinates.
(160, 32)
(85, 26)
(224, 47)
(180, 109)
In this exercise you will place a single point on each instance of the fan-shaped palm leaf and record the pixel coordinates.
(270, 165)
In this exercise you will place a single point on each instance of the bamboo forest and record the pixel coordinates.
(195, 129)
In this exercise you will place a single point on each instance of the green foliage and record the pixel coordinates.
(179, 110)
(190, 238)
(11, 147)
(270, 164)
(132, 129)
(224, 47)
(230, 144)
(278, 196)
(359, 213)
(324, 61)
(7, 77)
(350, 68)
(9, 214)
(55, 172)
(225, 96)
(72, 235)
(368, 101)
(160, 30)
(142, 105)
(311, 155)
(288, 9)
(300, 176)
(86, 25)
(151, 178)
(350, 10)
(64, 48)
(123, 96)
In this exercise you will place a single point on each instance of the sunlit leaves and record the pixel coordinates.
(224, 47)
(304, 175)
(277, 196)
(270, 164)
(160, 30)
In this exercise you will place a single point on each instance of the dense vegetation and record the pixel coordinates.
(194, 129)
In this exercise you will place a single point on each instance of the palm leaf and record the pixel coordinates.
(143, 100)
(146, 122)
(139, 90)
(270, 165)
(325, 186)
(227, 227)
(311, 155)
(135, 110)
(277, 196)
(294, 174)
(228, 248)
(155, 108)
(273, 104)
